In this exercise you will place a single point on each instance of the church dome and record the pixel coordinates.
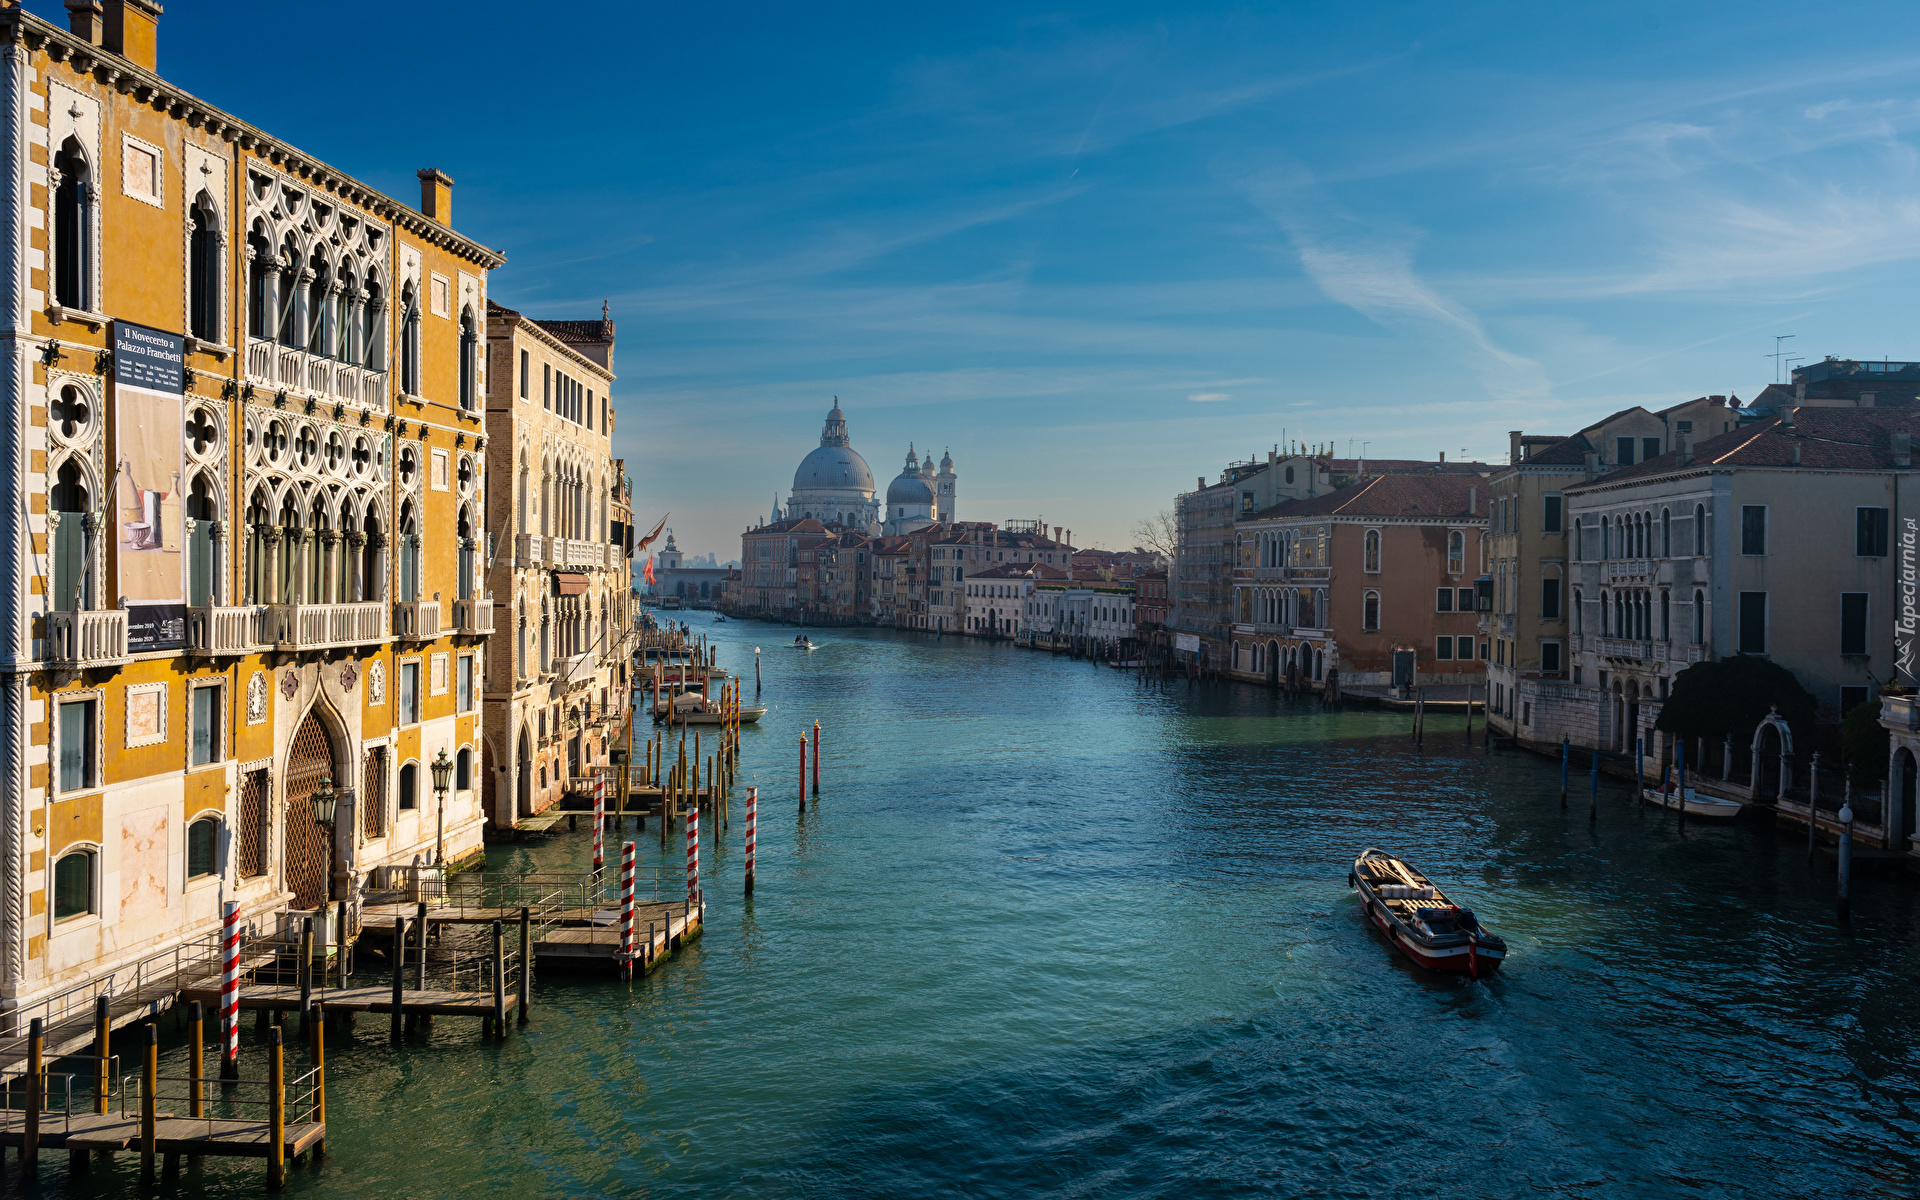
(833, 467)
(909, 488)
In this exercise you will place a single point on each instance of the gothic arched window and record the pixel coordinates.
(469, 361)
(203, 271)
(73, 228)
(409, 341)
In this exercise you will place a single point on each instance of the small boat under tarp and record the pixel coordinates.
(1693, 804)
(1419, 920)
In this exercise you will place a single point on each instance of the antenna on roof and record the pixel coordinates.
(1779, 355)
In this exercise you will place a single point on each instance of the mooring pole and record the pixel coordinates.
(526, 962)
(816, 759)
(803, 772)
(399, 974)
(1596, 775)
(36, 1081)
(1846, 859)
(753, 821)
(1566, 756)
(317, 1059)
(276, 1110)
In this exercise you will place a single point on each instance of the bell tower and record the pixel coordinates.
(943, 490)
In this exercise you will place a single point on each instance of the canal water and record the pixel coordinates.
(1050, 932)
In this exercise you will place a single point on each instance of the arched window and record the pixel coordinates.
(1699, 618)
(1370, 613)
(201, 575)
(410, 785)
(373, 327)
(1370, 557)
(73, 890)
(346, 322)
(1666, 533)
(1579, 542)
(1289, 474)
(465, 544)
(73, 228)
(409, 554)
(1604, 545)
(463, 769)
(469, 361)
(409, 341)
(71, 579)
(203, 271)
(1579, 623)
(1456, 552)
(319, 307)
(1603, 614)
(285, 320)
(262, 279)
(1699, 529)
(203, 847)
(1666, 628)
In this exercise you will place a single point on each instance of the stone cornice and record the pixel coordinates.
(128, 78)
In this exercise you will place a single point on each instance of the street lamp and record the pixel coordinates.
(325, 803)
(442, 768)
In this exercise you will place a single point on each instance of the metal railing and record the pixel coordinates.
(69, 1013)
(57, 1092)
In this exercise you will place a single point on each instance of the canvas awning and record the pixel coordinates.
(569, 583)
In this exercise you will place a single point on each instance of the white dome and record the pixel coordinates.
(838, 467)
(909, 488)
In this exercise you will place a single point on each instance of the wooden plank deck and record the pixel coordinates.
(364, 999)
(540, 823)
(600, 945)
(382, 916)
(231, 1138)
(58, 1131)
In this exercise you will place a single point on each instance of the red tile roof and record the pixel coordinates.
(1410, 497)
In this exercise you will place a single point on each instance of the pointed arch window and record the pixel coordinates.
(1699, 617)
(373, 328)
(1456, 552)
(286, 293)
(71, 579)
(201, 576)
(1371, 556)
(1699, 531)
(73, 251)
(409, 555)
(409, 341)
(263, 277)
(469, 361)
(203, 270)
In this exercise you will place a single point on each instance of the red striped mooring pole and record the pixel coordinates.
(230, 991)
(626, 909)
(693, 853)
(753, 805)
(599, 818)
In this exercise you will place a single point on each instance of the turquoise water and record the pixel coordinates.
(1050, 932)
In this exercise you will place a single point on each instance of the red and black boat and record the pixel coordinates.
(1420, 921)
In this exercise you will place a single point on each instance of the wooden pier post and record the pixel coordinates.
(420, 936)
(149, 1082)
(1596, 776)
(196, 1060)
(276, 1110)
(525, 993)
(399, 974)
(756, 670)
(317, 1058)
(102, 1048)
(36, 1098)
(1813, 799)
(599, 818)
(803, 772)
(500, 984)
(816, 759)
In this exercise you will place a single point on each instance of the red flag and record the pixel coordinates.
(647, 572)
(648, 540)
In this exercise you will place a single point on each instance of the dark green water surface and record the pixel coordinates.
(1051, 933)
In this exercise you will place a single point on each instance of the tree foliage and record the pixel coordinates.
(1731, 696)
(1865, 742)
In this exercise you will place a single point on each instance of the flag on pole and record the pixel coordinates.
(648, 540)
(646, 573)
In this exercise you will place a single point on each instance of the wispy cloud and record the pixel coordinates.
(1209, 397)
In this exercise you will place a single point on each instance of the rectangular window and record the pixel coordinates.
(526, 372)
(1753, 529)
(1500, 654)
(1852, 698)
(1853, 622)
(206, 726)
(546, 385)
(1466, 600)
(1550, 522)
(464, 683)
(1649, 448)
(1623, 451)
(1443, 649)
(1550, 657)
(76, 745)
(1550, 599)
(1870, 532)
(1443, 600)
(409, 693)
(1753, 622)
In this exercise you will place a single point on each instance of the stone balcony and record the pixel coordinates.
(217, 630)
(278, 367)
(1636, 650)
(324, 626)
(417, 620)
(473, 616)
(87, 639)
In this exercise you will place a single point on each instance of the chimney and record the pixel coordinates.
(436, 194)
(1473, 501)
(1443, 456)
(131, 29)
(1866, 399)
(1202, 485)
(1513, 445)
(86, 19)
(1902, 448)
(1684, 444)
(1793, 454)
(1593, 465)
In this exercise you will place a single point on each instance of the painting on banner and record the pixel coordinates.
(149, 429)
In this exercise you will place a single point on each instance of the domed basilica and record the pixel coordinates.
(835, 486)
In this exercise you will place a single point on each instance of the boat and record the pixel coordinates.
(691, 707)
(1419, 920)
(801, 643)
(720, 620)
(1693, 804)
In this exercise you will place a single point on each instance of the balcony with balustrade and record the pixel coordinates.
(216, 630)
(416, 620)
(84, 640)
(277, 366)
(473, 616)
(324, 626)
(1637, 650)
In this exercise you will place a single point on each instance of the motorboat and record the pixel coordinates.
(720, 620)
(1713, 808)
(1419, 920)
(802, 643)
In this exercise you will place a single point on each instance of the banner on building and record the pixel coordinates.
(1189, 642)
(146, 506)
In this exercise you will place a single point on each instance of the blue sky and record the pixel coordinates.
(1100, 252)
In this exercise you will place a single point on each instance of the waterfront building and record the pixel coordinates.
(771, 585)
(1774, 539)
(556, 689)
(1376, 579)
(246, 385)
(999, 598)
(672, 577)
(1151, 607)
(1527, 619)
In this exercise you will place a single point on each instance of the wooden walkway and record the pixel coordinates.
(75, 1032)
(599, 945)
(280, 998)
(172, 1135)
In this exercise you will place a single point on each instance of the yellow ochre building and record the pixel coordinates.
(247, 549)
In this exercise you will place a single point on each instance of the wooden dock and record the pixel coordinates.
(598, 946)
(281, 998)
(114, 1132)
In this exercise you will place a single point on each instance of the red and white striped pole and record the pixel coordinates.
(816, 760)
(230, 990)
(693, 853)
(753, 821)
(626, 909)
(599, 819)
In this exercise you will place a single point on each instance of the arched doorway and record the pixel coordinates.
(1904, 768)
(523, 786)
(308, 859)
